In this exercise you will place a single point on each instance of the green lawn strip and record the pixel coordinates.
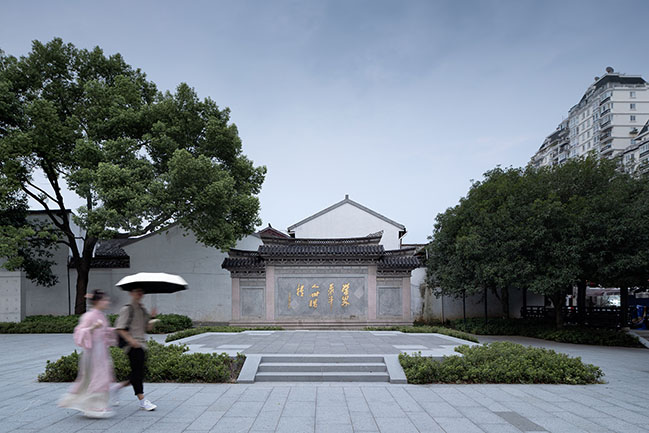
(202, 329)
(426, 329)
(500, 362)
(543, 330)
(47, 324)
(164, 364)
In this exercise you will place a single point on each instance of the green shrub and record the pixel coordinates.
(202, 329)
(425, 329)
(500, 362)
(48, 324)
(41, 325)
(164, 364)
(171, 323)
(540, 329)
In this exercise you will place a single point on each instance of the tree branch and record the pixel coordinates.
(40, 190)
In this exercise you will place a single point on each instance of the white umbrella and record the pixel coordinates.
(153, 282)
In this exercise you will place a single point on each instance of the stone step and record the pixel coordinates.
(321, 325)
(357, 376)
(294, 359)
(322, 367)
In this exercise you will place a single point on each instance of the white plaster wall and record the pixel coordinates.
(12, 306)
(210, 287)
(346, 221)
(449, 308)
(50, 300)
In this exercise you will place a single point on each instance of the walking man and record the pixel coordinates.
(132, 324)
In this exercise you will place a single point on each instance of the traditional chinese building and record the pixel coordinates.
(321, 282)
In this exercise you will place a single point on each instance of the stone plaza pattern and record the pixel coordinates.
(617, 406)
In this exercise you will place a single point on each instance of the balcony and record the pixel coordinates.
(608, 98)
(608, 110)
(606, 137)
(605, 147)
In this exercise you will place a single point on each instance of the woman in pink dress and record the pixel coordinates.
(91, 391)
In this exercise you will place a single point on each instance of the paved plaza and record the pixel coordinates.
(621, 405)
(323, 342)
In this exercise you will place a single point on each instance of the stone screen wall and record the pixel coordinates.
(327, 294)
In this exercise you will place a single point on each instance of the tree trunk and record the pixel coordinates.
(557, 300)
(581, 301)
(624, 307)
(486, 313)
(504, 301)
(83, 274)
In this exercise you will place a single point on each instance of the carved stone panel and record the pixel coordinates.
(389, 301)
(326, 295)
(252, 302)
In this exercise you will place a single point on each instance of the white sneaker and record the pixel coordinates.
(147, 405)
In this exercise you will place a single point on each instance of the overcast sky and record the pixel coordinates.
(397, 103)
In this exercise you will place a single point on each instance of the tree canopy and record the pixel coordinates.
(544, 230)
(140, 159)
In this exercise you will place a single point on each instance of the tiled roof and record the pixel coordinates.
(110, 248)
(399, 262)
(243, 262)
(106, 262)
(321, 250)
(371, 239)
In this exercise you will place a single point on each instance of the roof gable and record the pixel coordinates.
(347, 200)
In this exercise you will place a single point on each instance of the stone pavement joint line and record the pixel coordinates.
(617, 406)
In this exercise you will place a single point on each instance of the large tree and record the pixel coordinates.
(545, 230)
(141, 160)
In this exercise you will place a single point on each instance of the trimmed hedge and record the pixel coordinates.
(48, 324)
(202, 329)
(501, 362)
(537, 329)
(426, 329)
(164, 364)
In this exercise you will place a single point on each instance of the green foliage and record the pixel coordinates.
(545, 331)
(544, 230)
(171, 323)
(140, 160)
(164, 364)
(26, 244)
(203, 329)
(426, 329)
(500, 362)
(48, 324)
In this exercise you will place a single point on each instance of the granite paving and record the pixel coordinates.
(620, 405)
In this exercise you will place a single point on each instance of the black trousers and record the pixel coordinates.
(137, 357)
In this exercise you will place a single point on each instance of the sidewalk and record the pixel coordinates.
(618, 406)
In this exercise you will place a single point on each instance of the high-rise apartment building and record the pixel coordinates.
(605, 122)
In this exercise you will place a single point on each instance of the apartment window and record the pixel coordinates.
(632, 118)
(632, 94)
(632, 106)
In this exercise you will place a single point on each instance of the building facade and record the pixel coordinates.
(635, 158)
(602, 123)
(321, 282)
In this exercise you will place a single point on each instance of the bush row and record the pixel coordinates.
(202, 329)
(47, 324)
(545, 331)
(164, 364)
(500, 362)
(426, 329)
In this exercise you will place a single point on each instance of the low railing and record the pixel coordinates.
(608, 317)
